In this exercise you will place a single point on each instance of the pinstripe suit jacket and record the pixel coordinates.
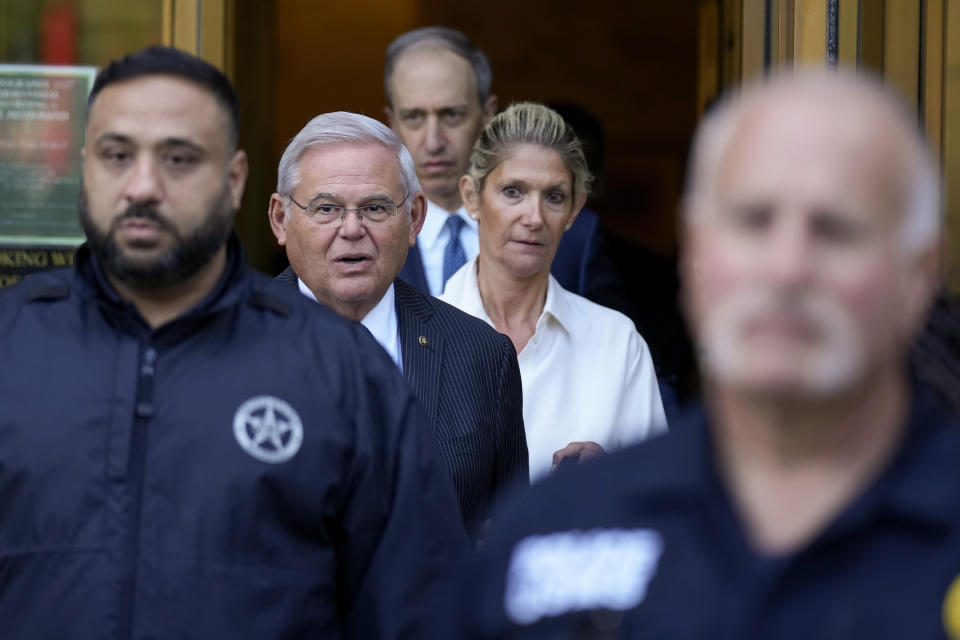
(466, 376)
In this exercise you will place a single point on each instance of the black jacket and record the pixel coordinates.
(254, 469)
(647, 543)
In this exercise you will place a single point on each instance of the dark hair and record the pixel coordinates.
(169, 61)
(443, 38)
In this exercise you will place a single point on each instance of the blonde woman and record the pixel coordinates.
(588, 380)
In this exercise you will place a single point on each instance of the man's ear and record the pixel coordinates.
(278, 218)
(489, 108)
(418, 214)
(919, 287)
(390, 117)
(237, 177)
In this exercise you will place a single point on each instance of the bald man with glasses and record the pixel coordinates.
(347, 209)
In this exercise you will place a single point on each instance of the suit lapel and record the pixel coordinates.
(422, 348)
(288, 276)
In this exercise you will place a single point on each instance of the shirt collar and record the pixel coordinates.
(468, 299)
(557, 305)
(305, 290)
(381, 321)
(378, 317)
(434, 221)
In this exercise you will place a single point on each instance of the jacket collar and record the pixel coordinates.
(919, 487)
(288, 276)
(233, 285)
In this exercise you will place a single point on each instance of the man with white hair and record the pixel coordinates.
(816, 493)
(348, 206)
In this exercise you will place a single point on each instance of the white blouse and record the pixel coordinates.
(587, 374)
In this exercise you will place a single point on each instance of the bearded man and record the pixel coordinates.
(188, 449)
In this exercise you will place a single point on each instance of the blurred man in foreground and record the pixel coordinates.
(816, 493)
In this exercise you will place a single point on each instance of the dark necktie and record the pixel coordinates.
(453, 255)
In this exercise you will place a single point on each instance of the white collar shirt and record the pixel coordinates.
(381, 321)
(433, 238)
(587, 374)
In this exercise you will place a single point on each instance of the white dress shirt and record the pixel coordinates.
(381, 321)
(587, 374)
(433, 239)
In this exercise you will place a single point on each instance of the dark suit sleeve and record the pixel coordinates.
(512, 465)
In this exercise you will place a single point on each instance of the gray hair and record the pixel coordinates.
(337, 127)
(921, 216)
(442, 38)
(528, 123)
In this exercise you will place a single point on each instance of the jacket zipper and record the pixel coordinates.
(143, 412)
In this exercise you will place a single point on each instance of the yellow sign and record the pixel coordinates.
(951, 610)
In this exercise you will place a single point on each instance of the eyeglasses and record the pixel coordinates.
(374, 212)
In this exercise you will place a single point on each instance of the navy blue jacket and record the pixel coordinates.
(253, 469)
(645, 544)
(467, 379)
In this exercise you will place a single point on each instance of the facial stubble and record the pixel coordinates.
(186, 257)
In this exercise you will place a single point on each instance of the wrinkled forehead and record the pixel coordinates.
(427, 70)
(366, 165)
(828, 144)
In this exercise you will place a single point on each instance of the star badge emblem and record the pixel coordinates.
(268, 429)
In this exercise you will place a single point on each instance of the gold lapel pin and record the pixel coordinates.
(423, 341)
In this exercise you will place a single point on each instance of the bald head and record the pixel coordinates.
(869, 123)
(812, 217)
